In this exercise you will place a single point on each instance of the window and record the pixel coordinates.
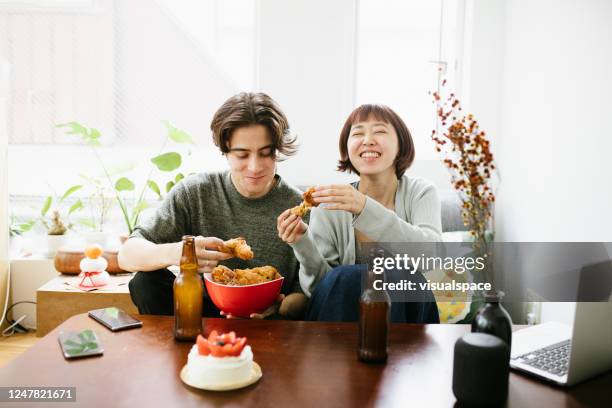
(123, 67)
(400, 46)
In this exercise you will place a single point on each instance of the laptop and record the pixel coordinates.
(564, 354)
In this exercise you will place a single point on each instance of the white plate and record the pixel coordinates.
(255, 376)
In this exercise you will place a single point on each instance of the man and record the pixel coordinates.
(253, 133)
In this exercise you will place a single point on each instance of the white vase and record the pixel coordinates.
(96, 237)
(54, 242)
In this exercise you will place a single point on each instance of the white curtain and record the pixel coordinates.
(4, 86)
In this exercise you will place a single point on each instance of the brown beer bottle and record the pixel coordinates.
(188, 292)
(374, 318)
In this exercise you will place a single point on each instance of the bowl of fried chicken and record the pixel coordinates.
(241, 292)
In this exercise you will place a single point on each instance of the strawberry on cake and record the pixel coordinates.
(219, 361)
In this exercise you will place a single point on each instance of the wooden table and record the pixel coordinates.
(56, 301)
(304, 364)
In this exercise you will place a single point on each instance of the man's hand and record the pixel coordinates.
(266, 313)
(340, 197)
(207, 254)
(290, 227)
(294, 306)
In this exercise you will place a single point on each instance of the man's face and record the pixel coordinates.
(251, 161)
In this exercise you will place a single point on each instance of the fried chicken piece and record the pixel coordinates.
(238, 248)
(226, 276)
(300, 210)
(308, 197)
(256, 275)
(222, 274)
(306, 205)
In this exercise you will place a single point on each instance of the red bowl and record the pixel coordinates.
(241, 301)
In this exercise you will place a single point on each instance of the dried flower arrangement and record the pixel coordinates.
(467, 155)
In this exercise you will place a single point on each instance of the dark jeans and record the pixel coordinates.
(152, 293)
(336, 299)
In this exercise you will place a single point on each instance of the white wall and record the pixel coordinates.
(546, 65)
(556, 101)
(554, 139)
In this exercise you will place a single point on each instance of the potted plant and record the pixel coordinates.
(99, 205)
(54, 222)
(166, 162)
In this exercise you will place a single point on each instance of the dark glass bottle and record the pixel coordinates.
(188, 294)
(493, 319)
(374, 319)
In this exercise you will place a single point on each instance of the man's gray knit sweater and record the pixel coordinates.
(208, 204)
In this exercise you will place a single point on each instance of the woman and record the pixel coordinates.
(383, 206)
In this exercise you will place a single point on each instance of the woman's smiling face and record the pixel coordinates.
(373, 147)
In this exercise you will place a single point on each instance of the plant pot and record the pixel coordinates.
(493, 319)
(96, 237)
(55, 242)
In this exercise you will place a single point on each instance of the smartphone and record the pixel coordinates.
(80, 344)
(115, 319)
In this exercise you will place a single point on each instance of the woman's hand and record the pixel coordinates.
(290, 227)
(207, 254)
(340, 197)
(268, 312)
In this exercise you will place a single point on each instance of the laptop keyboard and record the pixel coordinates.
(552, 359)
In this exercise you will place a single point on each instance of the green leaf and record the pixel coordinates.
(75, 128)
(124, 184)
(26, 226)
(122, 168)
(179, 177)
(167, 161)
(69, 192)
(76, 206)
(83, 342)
(94, 134)
(153, 186)
(112, 312)
(46, 206)
(178, 135)
(90, 136)
(88, 223)
(89, 335)
(142, 204)
(169, 186)
(74, 351)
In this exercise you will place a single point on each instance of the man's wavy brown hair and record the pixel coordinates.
(405, 154)
(248, 109)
